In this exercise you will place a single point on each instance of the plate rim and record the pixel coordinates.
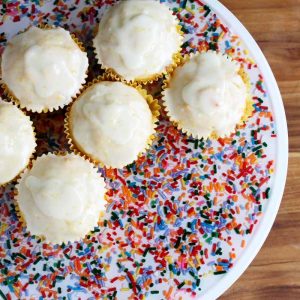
(281, 157)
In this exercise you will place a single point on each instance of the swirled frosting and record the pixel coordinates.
(112, 123)
(43, 68)
(137, 39)
(207, 95)
(61, 197)
(17, 141)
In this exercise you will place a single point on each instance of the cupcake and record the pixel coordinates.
(138, 40)
(43, 68)
(17, 141)
(207, 95)
(112, 123)
(61, 197)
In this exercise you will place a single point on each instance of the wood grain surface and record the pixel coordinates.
(275, 272)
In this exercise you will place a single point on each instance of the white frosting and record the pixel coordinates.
(112, 123)
(207, 95)
(61, 197)
(17, 141)
(137, 38)
(44, 68)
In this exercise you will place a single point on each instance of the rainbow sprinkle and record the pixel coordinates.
(181, 214)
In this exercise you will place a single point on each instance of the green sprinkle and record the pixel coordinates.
(36, 276)
(206, 196)
(181, 285)
(236, 230)
(37, 260)
(219, 251)
(188, 177)
(207, 10)
(154, 292)
(114, 216)
(146, 251)
(177, 242)
(257, 148)
(60, 277)
(267, 192)
(2, 295)
(186, 44)
(219, 272)
(253, 190)
(8, 244)
(20, 255)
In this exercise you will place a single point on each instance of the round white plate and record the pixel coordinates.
(189, 216)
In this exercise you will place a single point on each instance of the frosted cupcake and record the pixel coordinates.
(17, 141)
(207, 96)
(61, 197)
(43, 68)
(112, 123)
(138, 40)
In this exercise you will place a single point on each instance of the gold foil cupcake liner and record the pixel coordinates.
(14, 99)
(18, 210)
(248, 111)
(31, 158)
(176, 58)
(77, 149)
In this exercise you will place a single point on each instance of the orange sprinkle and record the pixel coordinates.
(243, 244)
(219, 268)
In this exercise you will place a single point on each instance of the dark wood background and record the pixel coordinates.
(275, 272)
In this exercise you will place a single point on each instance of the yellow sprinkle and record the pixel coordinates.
(124, 289)
(189, 10)
(3, 228)
(221, 36)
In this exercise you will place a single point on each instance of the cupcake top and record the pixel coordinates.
(111, 122)
(43, 68)
(17, 141)
(61, 197)
(137, 39)
(207, 95)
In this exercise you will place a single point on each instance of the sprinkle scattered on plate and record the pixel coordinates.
(189, 216)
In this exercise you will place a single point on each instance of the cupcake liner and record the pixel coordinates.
(152, 103)
(31, 158)
(14, 99)
(248, 111)
(176, 58)
(21, 216)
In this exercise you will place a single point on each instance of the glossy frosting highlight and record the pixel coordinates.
(137, 39)
(207, 95)
(61, 197)
(112, 123)
(17, 141)
(43, 68)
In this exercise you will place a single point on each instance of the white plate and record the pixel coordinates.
(172, 156)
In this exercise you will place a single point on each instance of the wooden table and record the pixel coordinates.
(275, 272)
